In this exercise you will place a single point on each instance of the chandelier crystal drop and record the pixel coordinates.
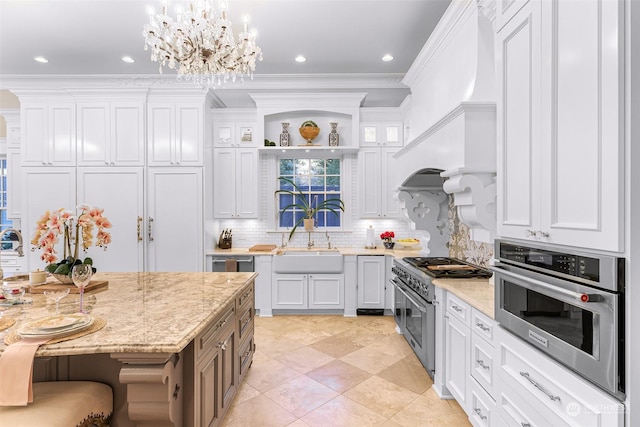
(199, 44)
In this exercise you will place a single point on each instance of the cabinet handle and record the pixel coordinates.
(150, 229)
(223, 345)
(478, 412)
(539, 387)
(175, 392)
(481, 363)
(112, 163)
(178, 163)
(44, 163)
(542, 234)
(139, 227)
(531, 233)
(482, 326)
(106, 163)
(456, 308)
(523, 424)
(247, 353)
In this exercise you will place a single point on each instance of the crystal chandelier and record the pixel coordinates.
(200, 45)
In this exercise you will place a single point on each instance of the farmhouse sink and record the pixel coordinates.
(305, 261)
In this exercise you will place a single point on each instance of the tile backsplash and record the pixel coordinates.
(460, 244)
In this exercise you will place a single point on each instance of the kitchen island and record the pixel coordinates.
(174, 347)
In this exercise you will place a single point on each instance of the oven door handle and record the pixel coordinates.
(413, 301)
(579, 296)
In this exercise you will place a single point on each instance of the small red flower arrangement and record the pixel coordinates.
(387, 236)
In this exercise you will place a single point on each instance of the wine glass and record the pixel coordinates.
(81, 275)
(57, 296)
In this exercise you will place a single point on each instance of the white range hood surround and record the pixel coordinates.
(452, 124)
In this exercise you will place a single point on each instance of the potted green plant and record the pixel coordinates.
(304, 202)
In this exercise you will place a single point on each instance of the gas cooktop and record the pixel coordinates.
(450, 268)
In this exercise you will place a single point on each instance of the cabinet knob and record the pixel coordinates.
(106, 163)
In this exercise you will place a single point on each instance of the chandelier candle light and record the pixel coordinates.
(199, 44)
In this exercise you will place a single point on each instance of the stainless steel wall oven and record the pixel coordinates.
(568, 304)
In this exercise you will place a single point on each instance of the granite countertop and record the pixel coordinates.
(344, 251)
(146, 312)
(477, 292)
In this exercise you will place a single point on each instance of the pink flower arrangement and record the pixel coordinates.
(387, 236)
(65, 222)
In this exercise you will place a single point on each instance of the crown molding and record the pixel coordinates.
(259, 82)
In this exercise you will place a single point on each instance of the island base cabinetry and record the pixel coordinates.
(217, 360)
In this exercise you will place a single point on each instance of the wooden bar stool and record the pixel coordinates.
(63, 404)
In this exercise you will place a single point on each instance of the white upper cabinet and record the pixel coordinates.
(235, 182)
(234, 134)
(175, 134)
(560, 136)
(376, 134)
(48, 134)
(377, 183)
(110, 134)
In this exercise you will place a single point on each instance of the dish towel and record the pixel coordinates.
(231, 266)
(16, 371)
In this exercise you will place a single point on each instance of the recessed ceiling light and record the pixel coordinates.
(387, 58)
(300, 58)
(128, 59)
(41, 59)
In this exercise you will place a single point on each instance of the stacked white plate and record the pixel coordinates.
(55, 326)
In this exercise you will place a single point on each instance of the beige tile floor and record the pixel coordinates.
(337, 371)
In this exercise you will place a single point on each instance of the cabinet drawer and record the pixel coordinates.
(246, 355)
(514, 410)
(245, 321)
(246, 297)
(483, 358)
(208, 339)
(482, 407)
(458, 309)
(483, 326)
(552, 389)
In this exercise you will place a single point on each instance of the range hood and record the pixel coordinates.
(452, 125)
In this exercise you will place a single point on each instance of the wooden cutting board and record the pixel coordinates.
(94, 285)
(262, 248)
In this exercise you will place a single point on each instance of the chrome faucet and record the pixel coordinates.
(18, 249)
(310, 242)
(328, 240)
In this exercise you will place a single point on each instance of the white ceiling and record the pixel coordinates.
(345, 38)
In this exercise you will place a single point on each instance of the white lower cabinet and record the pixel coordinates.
(537, 391)
(371, 282)
(307, 291)
(470, 338)
(457, 352)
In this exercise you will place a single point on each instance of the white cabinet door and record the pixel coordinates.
(326, 291)
(235, 182)
(120, 192)
(48, 134)
(582, 122)
(560, 136)
(380, 134)
(45, 189)
(127, 133)
(370, 173)
(175, 219)
(93, 134)
(390, 207)
(175, 134)
(458, 350)
(371, 282)
(189, 142)
(518, 118)
(246, 183)
(289, 291)
(377, 183)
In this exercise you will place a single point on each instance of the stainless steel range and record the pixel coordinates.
(414, 310)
